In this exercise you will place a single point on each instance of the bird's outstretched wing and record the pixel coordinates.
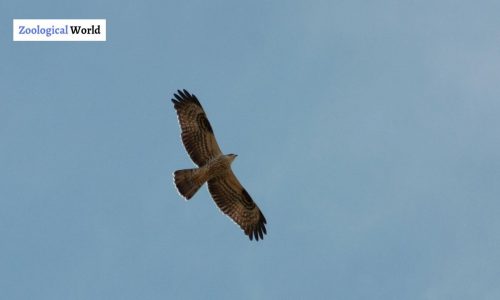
(234, 201)
(197, 134)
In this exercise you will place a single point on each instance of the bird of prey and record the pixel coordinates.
(214, 167)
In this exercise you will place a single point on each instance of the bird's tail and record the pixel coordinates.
(188, 182)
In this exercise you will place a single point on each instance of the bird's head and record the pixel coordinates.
(232, 156)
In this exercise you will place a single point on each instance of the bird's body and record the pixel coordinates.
(218, 166)
(188, 181)
(214, 167)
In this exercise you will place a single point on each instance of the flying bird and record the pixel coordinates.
(214, 167)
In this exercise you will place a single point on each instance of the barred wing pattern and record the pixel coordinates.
(197, 134)
(234, 201)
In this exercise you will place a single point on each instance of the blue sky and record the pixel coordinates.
(368, 133)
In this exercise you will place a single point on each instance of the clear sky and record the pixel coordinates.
(367, 131)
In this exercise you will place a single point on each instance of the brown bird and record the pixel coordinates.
(214, 167)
